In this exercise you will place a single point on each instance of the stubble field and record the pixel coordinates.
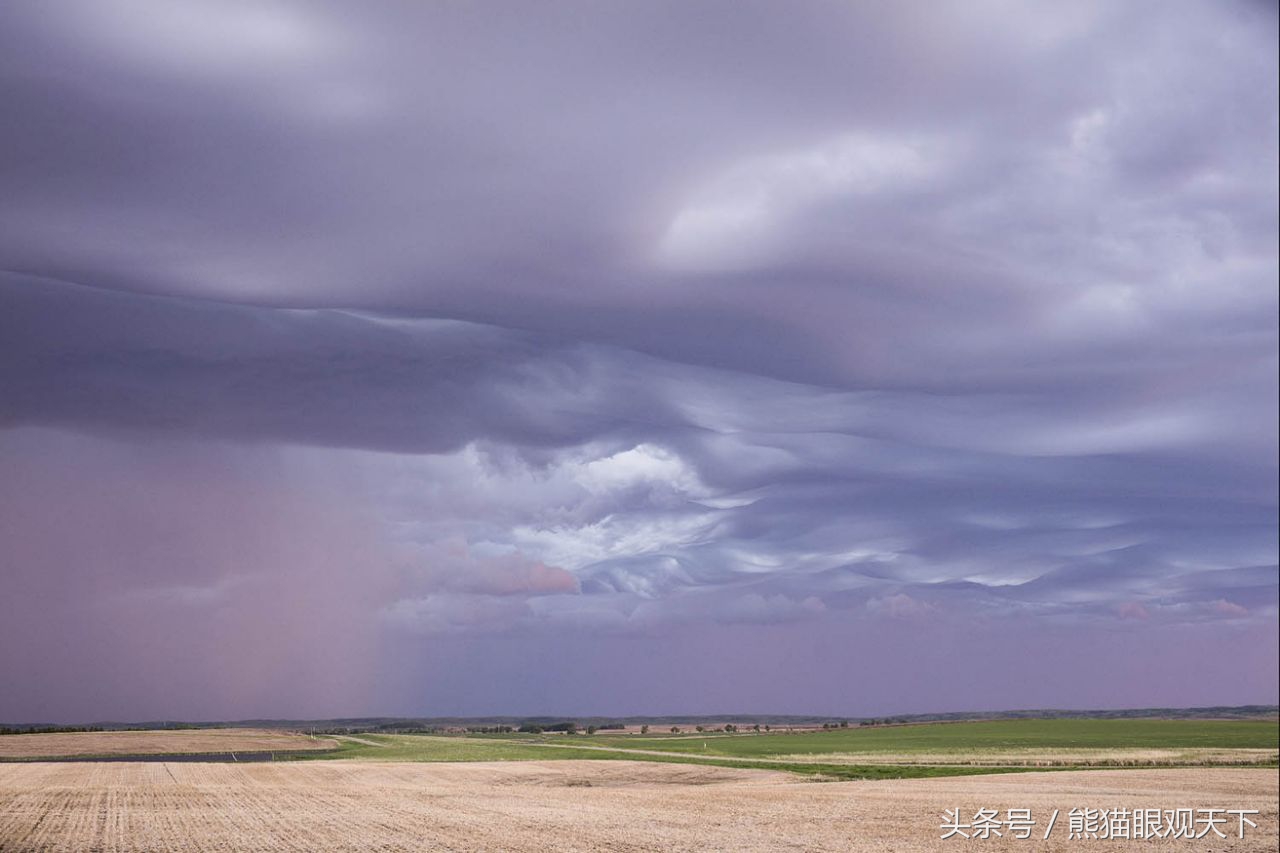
(167, 742)
(845, 789)
(573, 805)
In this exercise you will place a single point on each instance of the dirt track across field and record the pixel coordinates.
(160, 742)
(573, 805)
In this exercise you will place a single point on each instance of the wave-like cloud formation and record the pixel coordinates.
(446, 340)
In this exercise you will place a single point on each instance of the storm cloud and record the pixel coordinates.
(470, 349)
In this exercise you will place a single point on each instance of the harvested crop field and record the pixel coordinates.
(1075, 758)
(174, 742)
(570, 805)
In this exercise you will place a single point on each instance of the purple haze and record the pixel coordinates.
(636, 358)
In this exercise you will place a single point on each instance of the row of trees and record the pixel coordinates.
(728, 727)
(46, 730)
(53, 730)
(568, 727)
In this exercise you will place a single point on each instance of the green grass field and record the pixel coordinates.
(1082, 734)
(836, 754)
(378, 747)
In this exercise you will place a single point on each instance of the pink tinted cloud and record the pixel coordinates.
(452, 565)
(1132, 610)
(1228, 609)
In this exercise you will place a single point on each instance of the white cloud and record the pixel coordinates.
(739, 219)
(224, 37)
(644, 464)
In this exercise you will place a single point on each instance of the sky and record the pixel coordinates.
(636, 358)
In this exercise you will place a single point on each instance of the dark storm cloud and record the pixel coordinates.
(85, 357)
(792, 321)
(887, 197)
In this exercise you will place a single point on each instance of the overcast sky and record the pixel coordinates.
(626, 358)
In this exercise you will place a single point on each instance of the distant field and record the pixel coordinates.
(618, 792)
(967, 737)
(164, 742)
(943, 749)
(538, 806)
(1067, 742)
(457, 748)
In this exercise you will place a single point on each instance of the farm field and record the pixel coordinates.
(569, 805)
(941, 749)
(1058, 742)
(891, 752)
(457, 748)
(165, 742)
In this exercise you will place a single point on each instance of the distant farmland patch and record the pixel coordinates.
(1127, 739)
(999, 743)
(175, 742)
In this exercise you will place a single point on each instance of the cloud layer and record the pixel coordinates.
(436, 343)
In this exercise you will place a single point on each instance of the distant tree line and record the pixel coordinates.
(46, 730)
(568, 727)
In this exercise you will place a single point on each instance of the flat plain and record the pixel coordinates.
(972, 737)
(874, 788)
(163, 742)
(575, 806)
(940, 749)
(993, 743)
